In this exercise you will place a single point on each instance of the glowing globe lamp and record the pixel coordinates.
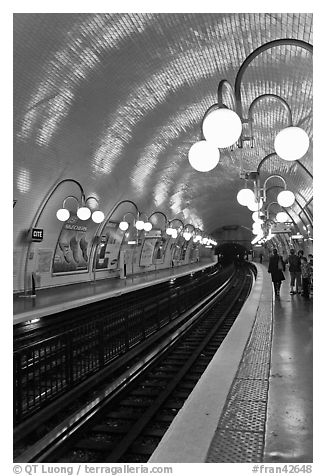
(256, 216)
(63, 214)
(291, 143)
(286, 198)
(254, 205)
(282, 217)
(174, 233)
(83, 213)
(139, 225)
(256, 226)
(203, 156)
(187, 235)
(124, 225)
(148, 226)
(222, 127)
(245, 195)
(97, 216)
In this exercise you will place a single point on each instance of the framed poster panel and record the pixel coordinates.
(147, 252)
(110, 243)
(73, 247)
(160, 250)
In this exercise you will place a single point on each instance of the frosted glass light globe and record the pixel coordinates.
(203, 156)
(282, 217)
(254, 205)
(169, 231)
(256, 216)
(148, 226)
(256, 226)
(63, 214)
(97, 216)
(174, 233)
(139, 225)
(222, 127)
(83, 213)
(286, 198)
(259, 221)
(291, 143)
(123, 225)
(245, 195)
(187, 235)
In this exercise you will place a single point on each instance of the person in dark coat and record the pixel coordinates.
(295, 272)
(275, 268)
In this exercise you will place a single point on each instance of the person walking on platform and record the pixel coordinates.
(305, 273)
(311, 265)
(295, 272)
(276, 268)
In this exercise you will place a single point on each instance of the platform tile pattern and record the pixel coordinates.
(240, 433)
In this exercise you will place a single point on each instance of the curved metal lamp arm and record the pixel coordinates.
(284, 210)
(67, 198)
(252, 56)
(225, 82)
(258, 100)
(273, 96)
(268, 178)
(160, 213)
(177, 219)
(274, 154)
(190, 224)
(297, 203)
(92, 198)
(268, 206)
(130, 213)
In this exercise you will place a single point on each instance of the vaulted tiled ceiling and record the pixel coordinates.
(115, 101)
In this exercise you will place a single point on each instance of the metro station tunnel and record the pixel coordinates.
(163, 238)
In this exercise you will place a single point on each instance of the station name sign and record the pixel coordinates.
(37, 234)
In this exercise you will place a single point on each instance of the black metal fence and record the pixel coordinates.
(44, 370)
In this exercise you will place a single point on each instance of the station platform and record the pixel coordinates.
(57, 299)
(254, 402)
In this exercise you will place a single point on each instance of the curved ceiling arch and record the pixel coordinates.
(120, 99)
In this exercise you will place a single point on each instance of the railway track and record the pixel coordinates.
(129, 422)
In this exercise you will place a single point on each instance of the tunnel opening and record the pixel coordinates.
(228, 253)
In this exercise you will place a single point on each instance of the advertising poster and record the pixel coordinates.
(160, 249)
(147, 252)
(109, 247)
(73, 247)
(179, 251)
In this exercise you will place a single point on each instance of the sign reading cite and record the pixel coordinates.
(37, 234)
